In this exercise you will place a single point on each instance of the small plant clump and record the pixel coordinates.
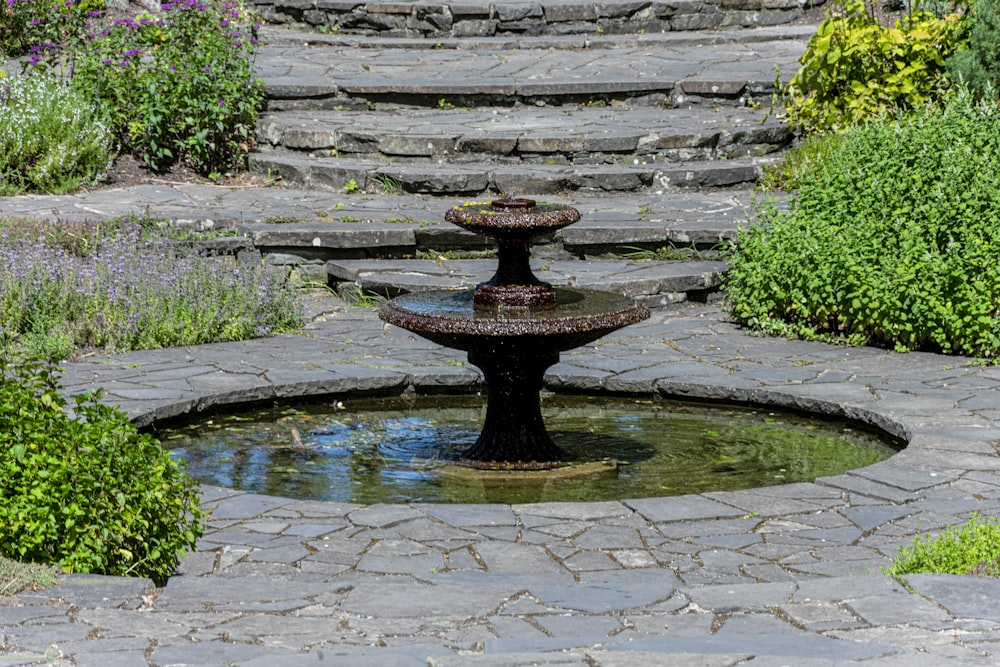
(16, 576)
(51, 137)
(87, 492)
(125, 285)
(890, 240)
(972, 548)
(814, 149)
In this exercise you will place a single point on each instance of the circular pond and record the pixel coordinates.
(398, 450)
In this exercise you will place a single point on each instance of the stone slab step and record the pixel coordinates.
(333, 77)
(483, 18)
(358, 227)
(654, 283)
(287, 36)
(337, 174)
(601, 134)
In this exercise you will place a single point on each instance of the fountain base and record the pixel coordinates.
(513, 432)
(507, 473)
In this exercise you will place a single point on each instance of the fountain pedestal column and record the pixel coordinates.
(514, 429)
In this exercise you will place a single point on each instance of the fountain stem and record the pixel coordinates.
(514, 286)
(514, 432)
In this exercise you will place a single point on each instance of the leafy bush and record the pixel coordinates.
(87, 492)
(177, 87)
(125, 285)
(32, 27)
(890, 241)
(50, 137)
(854, 68)
(979, 65)
(973, 548)
(17, 26)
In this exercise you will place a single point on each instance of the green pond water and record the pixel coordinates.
(397, 450)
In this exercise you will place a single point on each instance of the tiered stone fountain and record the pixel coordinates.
(513, 327)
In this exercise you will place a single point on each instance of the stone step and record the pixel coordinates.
(657, 72)
(586, 135)
(653, 283)
(338, 174)
(375, 242)
(359, 226)
(704, 39)
(485, 18)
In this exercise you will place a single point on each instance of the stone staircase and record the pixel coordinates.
(654, 118)
(486, 18)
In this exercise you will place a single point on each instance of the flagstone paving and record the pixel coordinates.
(783, 575)
(769, 576)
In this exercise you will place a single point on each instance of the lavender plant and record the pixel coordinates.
(125, 286)
(51, 138)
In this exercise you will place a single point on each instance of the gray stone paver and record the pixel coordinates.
(783, 574)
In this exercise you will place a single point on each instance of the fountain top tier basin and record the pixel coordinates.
(510, 219)
(513, 223)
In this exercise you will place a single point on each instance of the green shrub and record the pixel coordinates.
(34, 27)
(180, 87)
(50, 137)
(855, 69)
(973, 548)
(87, 492)
(979, 65)
(890, 241)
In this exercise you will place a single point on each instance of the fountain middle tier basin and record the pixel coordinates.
(449, 318)
(513, 347)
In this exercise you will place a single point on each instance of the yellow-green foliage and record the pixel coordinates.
(854, 68)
